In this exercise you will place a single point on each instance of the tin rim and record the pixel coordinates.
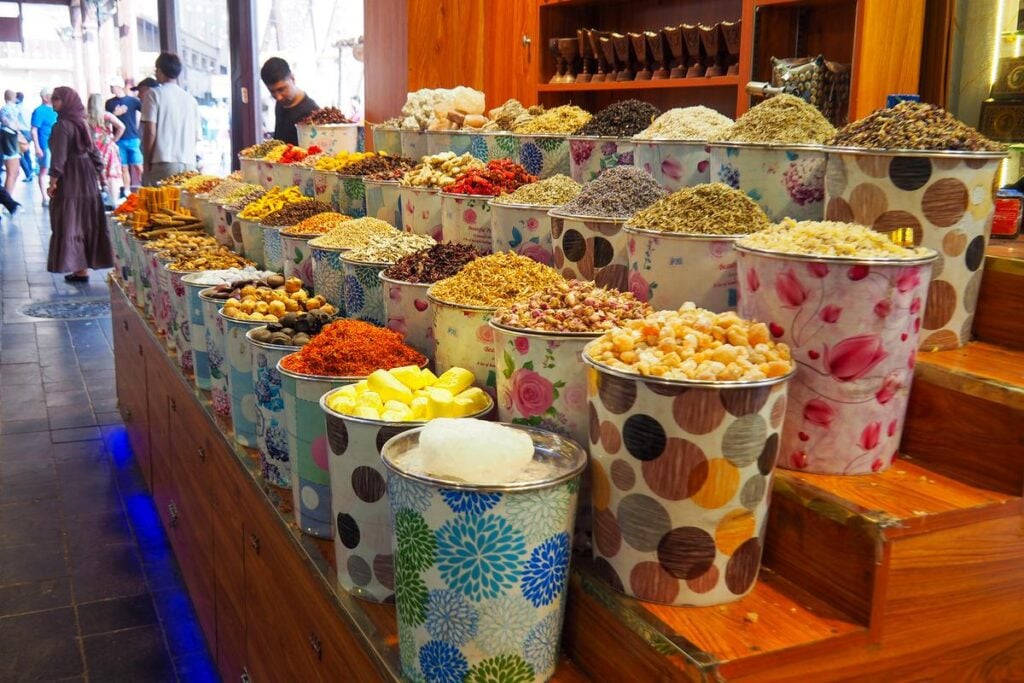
(416, 188)
(441, 302)
(671, 141)
(299, 238)
(381, 182)
(541, 334)
(449, 195)
(546, 208)
(205, 295)
(327, 125)
(773, 146)
(555, 213)
(392, 281)
(845, 260)
(368, 264)
(265, 345)
(607, 138)
(333, 250)
(681, 235)
(901, 152)
(314, 378)
(385, 423)
(524, 136)
(240, 321)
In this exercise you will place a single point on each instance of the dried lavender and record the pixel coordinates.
(783, 119)
(619, 192)
(709, 209)
(914, 125)
(621, 120)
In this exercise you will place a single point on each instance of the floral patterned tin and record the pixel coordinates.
(522, 228)
(266, 169)
(384, 201)
(544, 155)
(945, 199)
(163, 305)
(296, 258)
(503, 145)
(351, 196)
(478, 145)
(250, 170)
(197, 332)
(674, 164)
(680, 476)
(481, 571)
(590, 156)
(330, 137)
(271, 435)
(387, 140)
(667, 269)
(408, 312)
(238, 353)
(364, 292)
(421, 210)
(206, 212)
(327, 187)
(284, 175)
(785, 180)
(447, 141)
(414, 144)
(140, 275)
(466, 219)
(222, 226)
(302, 178)
(252, 241)
(328, 279)
(180, 324)
(853, 328)
(273, 258)
(213, 326)
(463, 338)
(590, 248)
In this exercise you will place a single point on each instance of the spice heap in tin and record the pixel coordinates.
(561, 120)
(409, 394)
(378, 163)
(783, 119)
(914, 125)
(200, 184)
(275, 198)
(553, 191)
(620, 120)
(241, 197)
(353, 234)
(269, 303)
(709, 209)
(495, 280)
(259, 150)
(226, 276)
(291, 154)
(352, 348)
(693, 344)
(829, 238)
(340, 160)
(325, 115)
(391, 174)
(430, 265)
(317, 224)
(440, 170)
(573, 306)
(498, 176)
(177, 179)
(218, 258)
(510, 115)
(619, 192)
(390, 247)
(296, 212)
(294, 329)
(686, 123)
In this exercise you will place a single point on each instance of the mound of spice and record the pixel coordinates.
(353, 234)
(233, 289)
(553, 191)
(433, 264)
(223, 277)
(177, 179)
(273, 199)
(439, 170)
(511, 114)
(573, 306)
(378, 163)
(686, 123)
(783, 119)
(693, 344)
(394, 174)
(829, 238)
(318, 224)
(294, 329)
(495, 280)
(619, 192)
(217, 258)
(390, 247)
(497, 177)
(913, 125)
(240, 197)
(560, 120)
(620, 120)
(709, 209)
(200, 184)
(292, 154)
(325, 115)
(296, 212)
(352, 348)
(259, 150)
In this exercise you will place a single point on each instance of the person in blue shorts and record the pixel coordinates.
(128, 110)
(43, 118)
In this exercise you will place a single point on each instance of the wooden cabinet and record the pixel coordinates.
(130, 364)
(512, 50)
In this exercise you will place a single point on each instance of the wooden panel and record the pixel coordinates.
(158, 406)
(937, 50)
(130, 374)
(385, 60)
(510, 66)
(446, 43)
(887, 52)
(1000, 315)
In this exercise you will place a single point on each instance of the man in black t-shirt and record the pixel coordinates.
(128, 110)
(292, 106)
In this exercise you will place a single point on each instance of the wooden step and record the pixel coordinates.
(999, 317)
(966, 415)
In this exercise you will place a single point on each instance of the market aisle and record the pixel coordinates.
(89, 588)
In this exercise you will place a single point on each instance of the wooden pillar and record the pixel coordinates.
(128, 38)
(245, 114)
(386, 57)
(167, 18)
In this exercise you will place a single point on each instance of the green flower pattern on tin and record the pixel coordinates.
(507, 668)
(416, 545)
(410, 596)
(540, 514)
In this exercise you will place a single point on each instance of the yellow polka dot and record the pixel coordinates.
(735, 528)
(601, 490)
(720, 486)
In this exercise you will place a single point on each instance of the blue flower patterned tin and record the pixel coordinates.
(271, 435)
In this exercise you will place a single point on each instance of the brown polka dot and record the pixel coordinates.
(642, 521)
(385, 434)
(595, 422)
(838, 210)
(733, 530)
(744, 440)
(740, 402)
(617, 394)
(569, 274)
(977, 163)
(368, 484)
(719, 487)
(623, 475)
(894, 220)
(649, 581)
(944, 202)
(705, 582)
(835, 176)
(946, 163)
(337, 434)
(607, 228)
(954, 243)
(680, 471)
(559, 257)
(557, 225)
(938, 265)
(971, 292)
(686, 552)
(606, 533)
(868, 202)
(604, 569)
(359, 570)
(742, 568)
(697, 411)
(384, 570)
(910, 173)
(616, 276)
(665, 389)
(753, 491)
(766, 461)
(975, 253)
(611, 441)
(942, 340)
(601, 492)
(875, 166)
(941, 305)
(778, 412)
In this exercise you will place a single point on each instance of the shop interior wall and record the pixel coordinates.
(975, 32)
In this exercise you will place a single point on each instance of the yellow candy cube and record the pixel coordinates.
(342, 404)
(477, 396)
(370, 399)
(440, 404)
(427, 377)
(367, 413)
(410, 376)
(348, 391)
(419, 407)
(389, 387)
(455, 380)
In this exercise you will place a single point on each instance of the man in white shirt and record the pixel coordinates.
(170, 124)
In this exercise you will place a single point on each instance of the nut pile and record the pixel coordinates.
(783, 119)
(242, 196)
(693, 344)
(433, 264)
(495, 280)
(296, 212)
(294, 329)
(439, 170)
(393, 174)
(353, 234)
(573, 306)
(560, 120)
(686, 123)
(210, 278)
(200, 184)
(829, 238)
(619, 192)
(708, 209)
(325, 115)
(233, 288)
(177, 179)
(317, 224)
(620, 120)
(553, 191)
(259, 150)
(389, 248)
(215, 259)
(262, 302)
(913, 125)
(273, 199)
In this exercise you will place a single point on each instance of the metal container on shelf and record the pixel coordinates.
(363, 290)
(463, 338)
(544, 155)
(466, 219)
(414, 144)
(328, 278)
(590, 248)
(351, 196)
(407, 310)
(252, 241)
(271, 435)
(421, 210)
(296, 258)
(240, 383)
(197, 331)
(674, 164)
(384, 201)
(590, 156)
(522, 228)
(387, 140)
(213, 326)
(330, 137)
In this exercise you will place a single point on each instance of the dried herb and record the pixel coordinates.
(710, 209)
(620, 120)
(560, 120)
(686, 123)
(914, 125)
(325, 115)
(619, 192)
(376, 164)
(296, 212)
(573, 306)
(783, 119)
(430, 265)
(500, 175)
(553, 191)
(495, 280)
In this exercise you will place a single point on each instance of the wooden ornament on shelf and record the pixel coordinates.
(694, 50)
(659, 52)
(624, 55)
(643, 56)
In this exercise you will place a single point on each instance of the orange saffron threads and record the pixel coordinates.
(352, 348)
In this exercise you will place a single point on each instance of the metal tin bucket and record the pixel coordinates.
(352, 197)
(466, 219)
(590, 248)
(327, 187)
(266, 178)
(667, 269)
(414, 144)
(206, 211)
(421, 210)
(304, 179)
(328, 278)
(590, 156)
(852, 327)
(384, 201)
(163, 306)
(140, 278)
(439, 141)
(330, 137)
(478, 142)
(387, 140)
(296, 259)
(463, 338)
(197, 333)
(252, 241)
(240, 383)
(680, 475)
(787, 181)
(222, 226)
(526, 527)
(180, 327)
(220, 370)
(273, 259)
(544, 155)
(250, 169)
(522, 228)
(283, 175)
(502, 145)
(271, 435)
(407, 311)
(364, 293)
(674, 164)
(946, 198)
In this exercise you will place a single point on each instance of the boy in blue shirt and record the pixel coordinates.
(43, 118)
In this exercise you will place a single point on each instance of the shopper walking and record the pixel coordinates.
(79, 240)
(293, 104)
(43, 118)
(128, 110)
(9, 141)
(7, 201)
(170, 124)
(26, 135)
(106, 131)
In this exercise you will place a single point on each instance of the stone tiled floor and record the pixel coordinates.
(89, 589)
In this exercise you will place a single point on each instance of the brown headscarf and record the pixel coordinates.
(72, 111)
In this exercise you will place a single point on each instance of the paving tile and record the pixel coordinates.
(36, 424)
(34, 562)
(19, 354)
(35, 491)
(79, 500)
(108, 527)
(107, 571)
(105, 419)
(22, 410)
(31, 444)
(65, 417)
(35, 596)
(60, 373)
(76, 434)
(63, 386)
(25, 373)
(39, 646)
(30, 522)
(116, 614)
(67, 399)
(92, 451)
(137, 654)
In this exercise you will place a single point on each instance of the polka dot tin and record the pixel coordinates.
(590, 248)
